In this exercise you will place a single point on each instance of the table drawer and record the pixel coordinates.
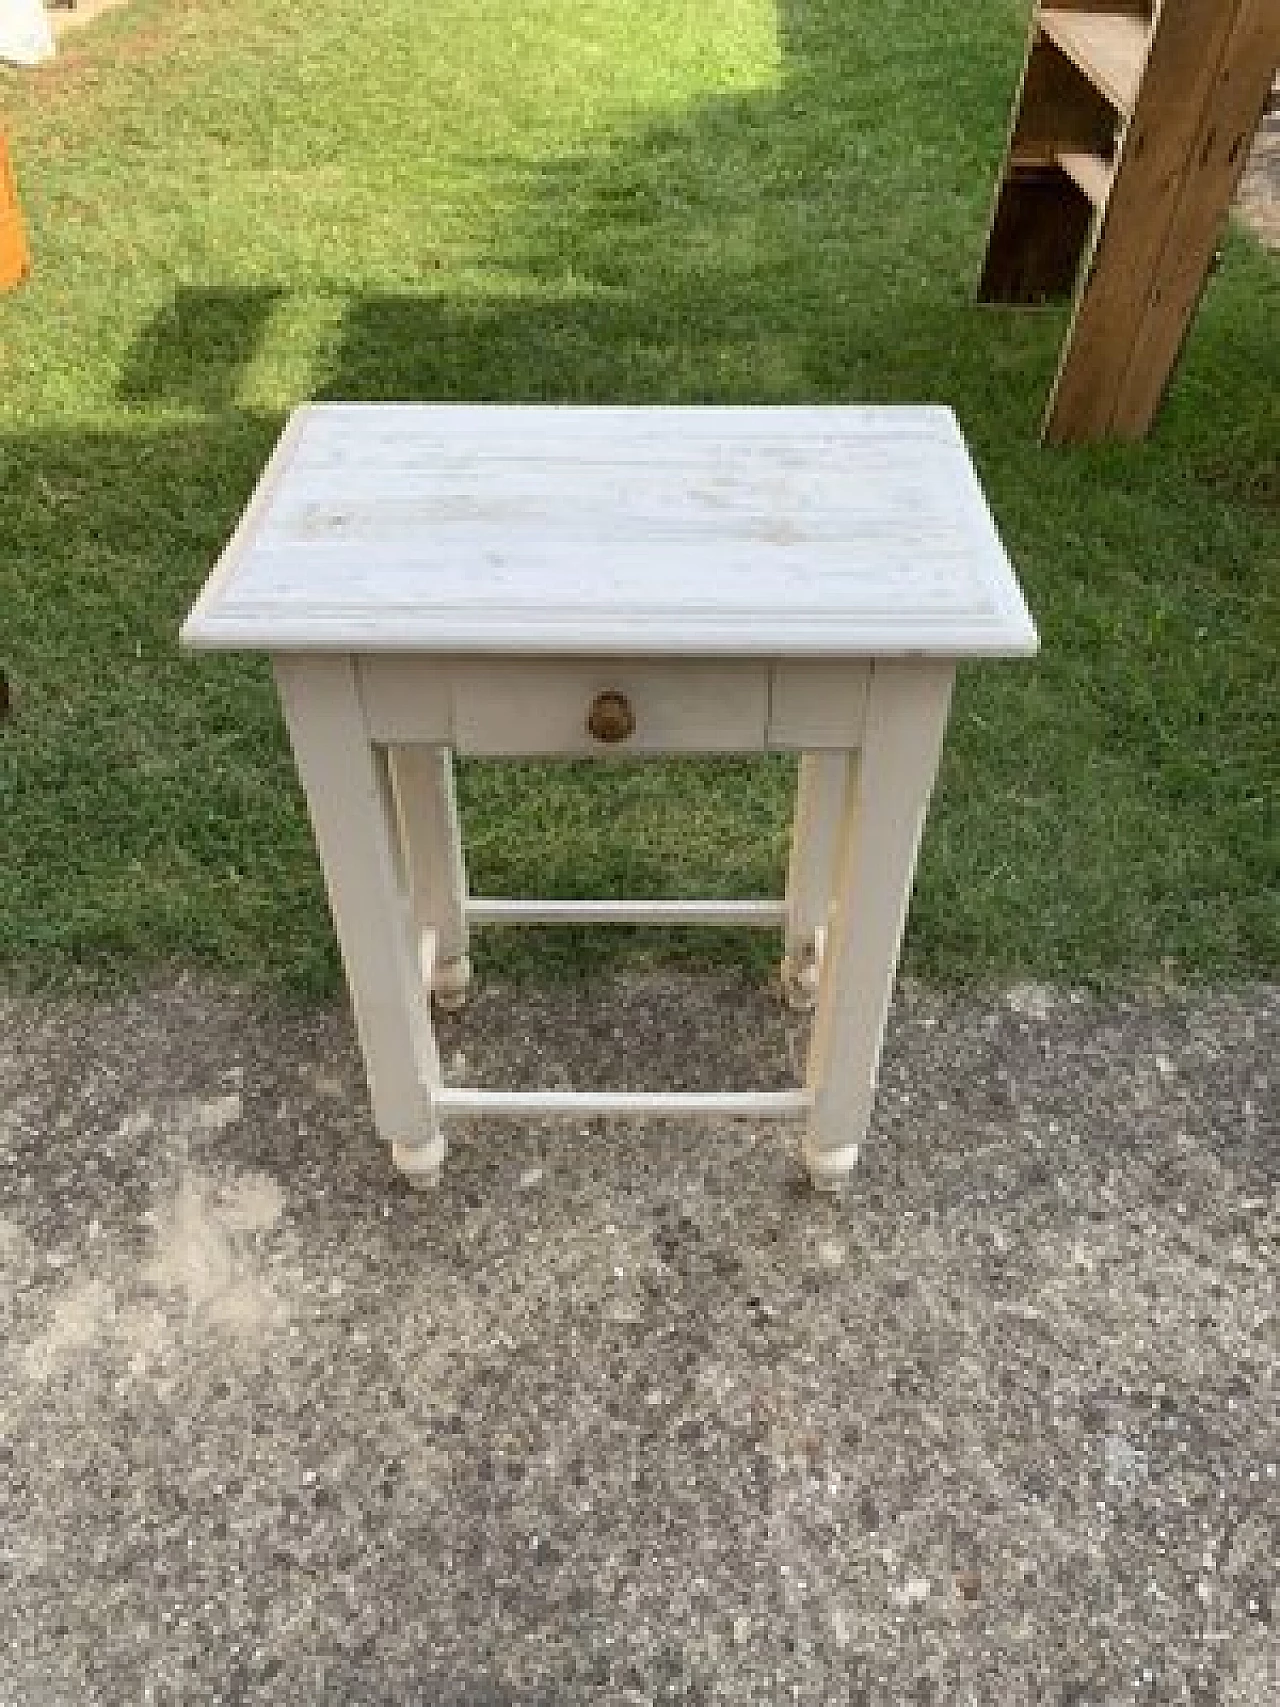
(601, 707)
(546, 706)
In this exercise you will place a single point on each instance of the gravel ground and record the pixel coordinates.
(625, 1413)
(1259, 199)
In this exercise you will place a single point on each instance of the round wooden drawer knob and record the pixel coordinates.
(611, 718)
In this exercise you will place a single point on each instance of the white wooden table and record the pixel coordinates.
(507, 580)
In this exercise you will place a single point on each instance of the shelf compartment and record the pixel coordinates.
(1090, 172)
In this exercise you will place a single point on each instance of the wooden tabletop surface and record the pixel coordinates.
(492, 529)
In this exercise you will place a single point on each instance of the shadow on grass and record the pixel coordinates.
(198, 348)
(1100, 809)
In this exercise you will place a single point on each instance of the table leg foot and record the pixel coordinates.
(420, 1163)
(800, 976)
(451, 983)
(829, 1170)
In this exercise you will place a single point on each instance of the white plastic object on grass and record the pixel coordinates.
(25, 35)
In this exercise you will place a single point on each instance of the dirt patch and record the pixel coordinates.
(1259, 198)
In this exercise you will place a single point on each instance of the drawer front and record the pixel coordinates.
(603, 708)
(548, 706)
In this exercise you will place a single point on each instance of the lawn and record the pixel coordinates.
(237, 206)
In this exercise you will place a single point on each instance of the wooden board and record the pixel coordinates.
(506, 529)
(1109, 47)
(1219, 152)
(1089, 172)
(1201, 98)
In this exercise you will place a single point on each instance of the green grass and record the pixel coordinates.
(238, 206)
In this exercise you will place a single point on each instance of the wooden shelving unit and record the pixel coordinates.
(1129, 134)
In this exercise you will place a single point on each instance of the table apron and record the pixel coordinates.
(513, 707)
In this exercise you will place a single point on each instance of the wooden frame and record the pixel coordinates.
(1130, 132)
(391, 848)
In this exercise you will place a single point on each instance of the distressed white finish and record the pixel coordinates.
(435, 578)
(542, 707)
(817, 703)
(751, 915)
(431, 838)
(815, 834)
(349, 799)
(541, 1105)
(539, 706)
(407, 700)
(886, 793)
(699, 532)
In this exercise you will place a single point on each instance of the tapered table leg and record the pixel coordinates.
(887, 790)
(422, 781)
(352, 812)
(815, 834)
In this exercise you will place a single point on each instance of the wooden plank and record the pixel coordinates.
(817, 705)
(1109, 47)
(1128, 8)
(516, 706)
(884, 808)
(751, 915)
(817, 531)
(1089, 172)
(815, 842)
(348, 800)
(655, 1105)
(1233, 111)
(426, 807)
(1114, 291)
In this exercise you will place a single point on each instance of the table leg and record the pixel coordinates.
(815, 834)
(422, 780)
(349, 797)
(886, 796)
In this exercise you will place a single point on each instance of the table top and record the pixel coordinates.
(492, 529)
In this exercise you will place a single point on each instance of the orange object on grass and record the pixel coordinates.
(15, 257)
